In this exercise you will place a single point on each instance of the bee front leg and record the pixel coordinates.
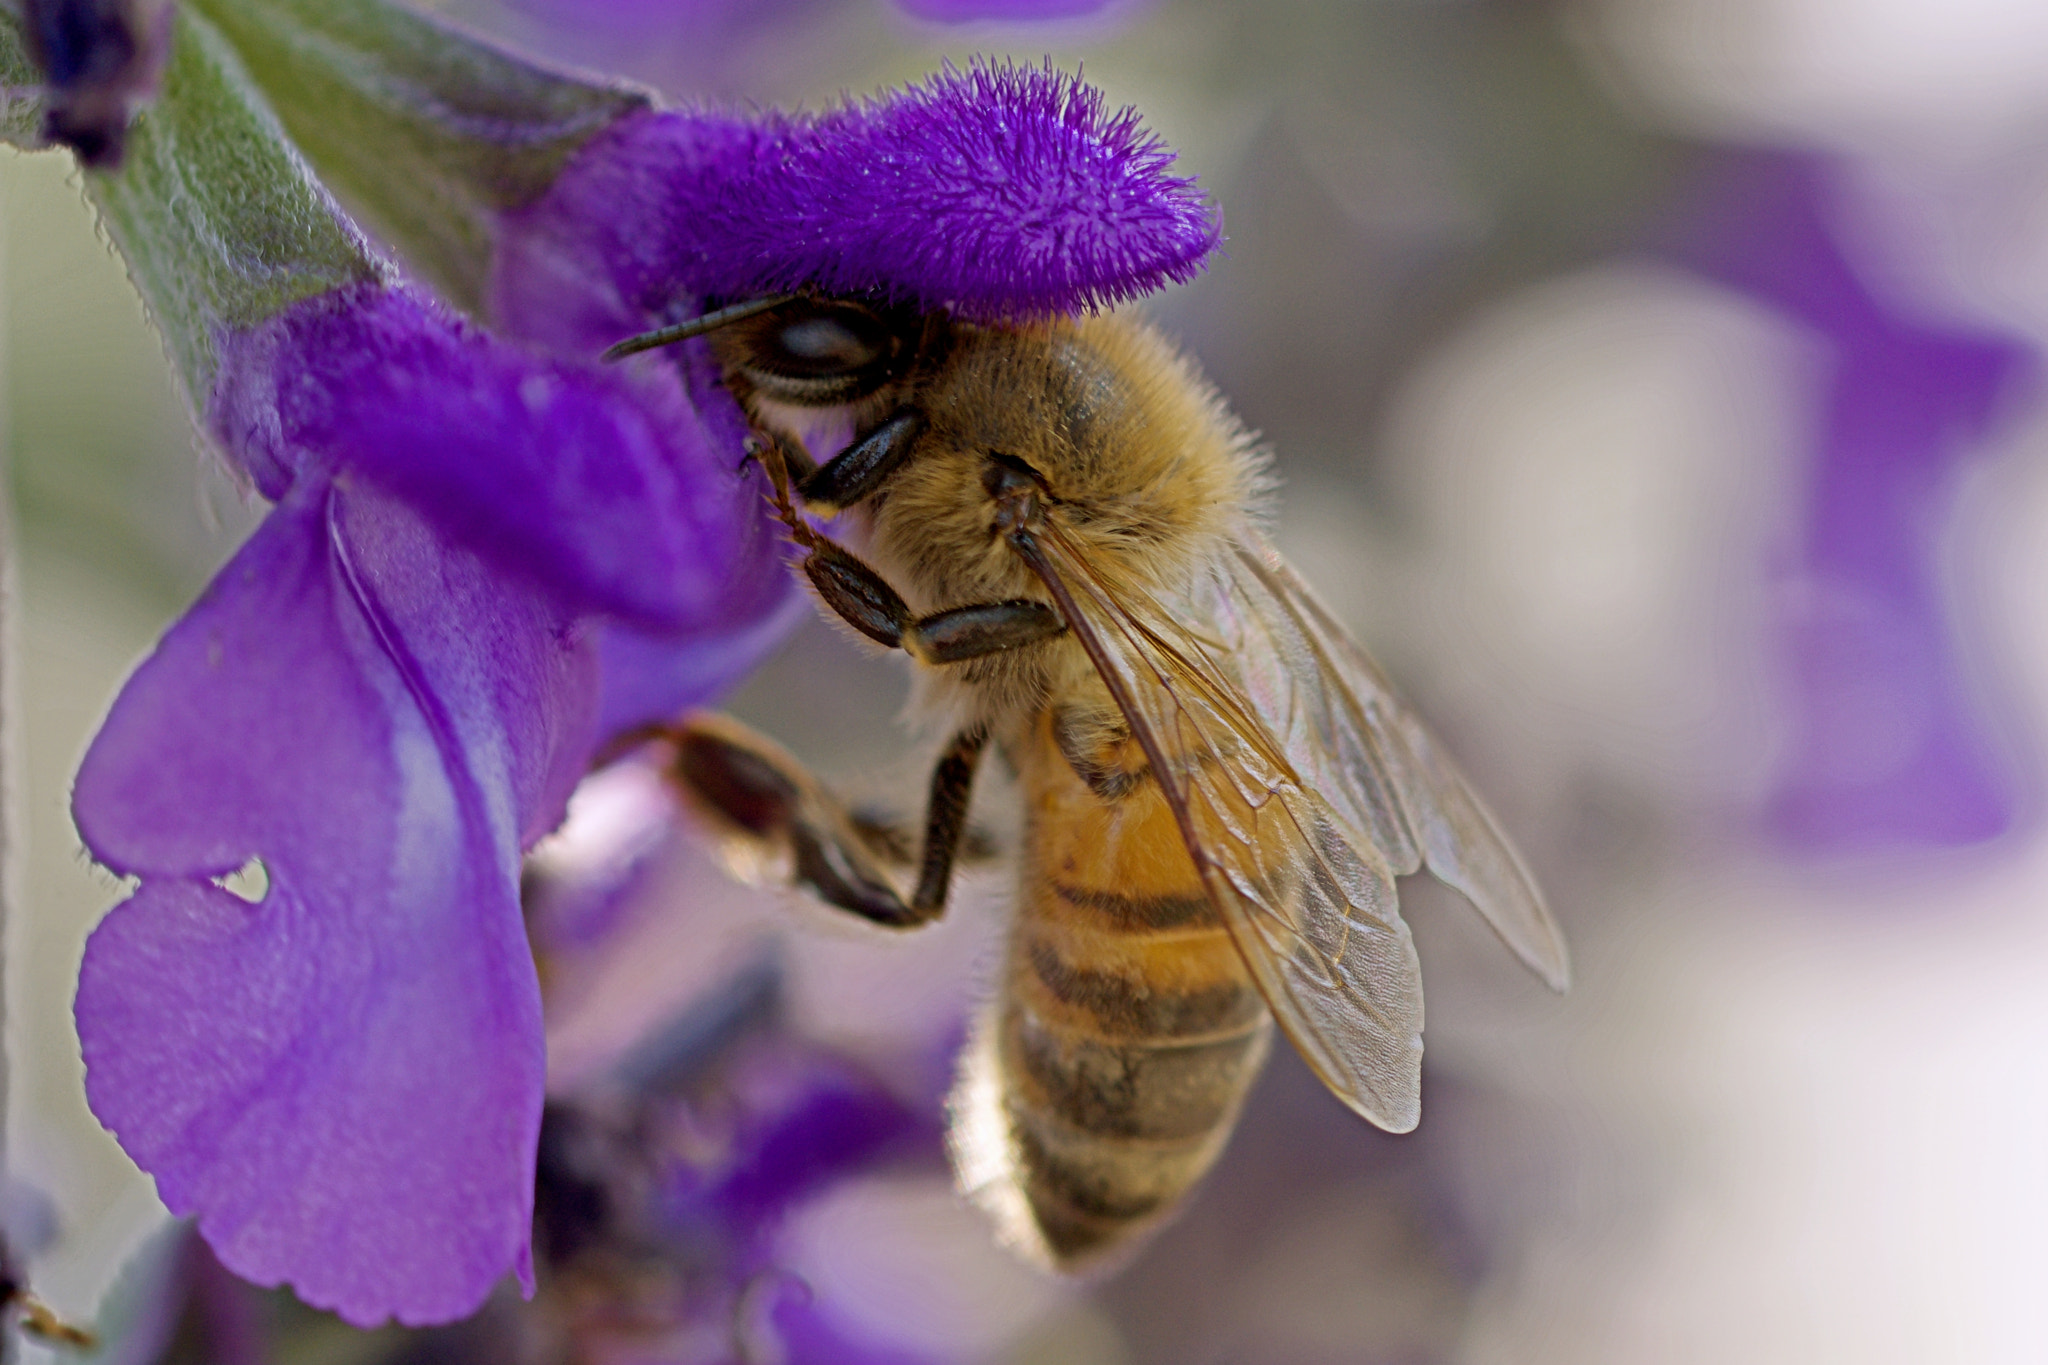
(864, 599)
(857, 471)
(861, 597)
(868, 604)
(762, 800)
(961, 633)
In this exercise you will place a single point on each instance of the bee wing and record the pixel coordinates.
(1307, 894)
(1338, 721)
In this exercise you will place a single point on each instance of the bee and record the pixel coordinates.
(1061, 523)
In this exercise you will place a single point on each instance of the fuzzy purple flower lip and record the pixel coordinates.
(998, 190)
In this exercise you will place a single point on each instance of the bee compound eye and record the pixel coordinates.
(832, 341)
(821, 352)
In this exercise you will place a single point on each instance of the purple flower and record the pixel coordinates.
(384, 698)
(487, 552)
(1886, 744)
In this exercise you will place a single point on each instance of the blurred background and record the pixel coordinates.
(1655, 388)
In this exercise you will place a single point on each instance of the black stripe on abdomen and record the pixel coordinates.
(1128, 1089)
(1135, 1008)
(1125, 914)
(1108, 1137)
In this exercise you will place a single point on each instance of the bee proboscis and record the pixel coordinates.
(1059, 521)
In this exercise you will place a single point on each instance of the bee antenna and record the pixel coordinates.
(697, 326)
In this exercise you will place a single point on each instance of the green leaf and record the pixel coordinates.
(430, 133)
(221, 223)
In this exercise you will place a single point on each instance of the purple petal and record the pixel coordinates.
(203, 759)
(650, 677)
(1000, 190)
(602, 483)
(344, 1105)
(1887, 744)
(343, 1081)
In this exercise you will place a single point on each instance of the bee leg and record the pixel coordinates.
(760, 799)
(759, 796)
(961, 633)
(857, 471)
(945, 820)
(791, 456)
(864, 599)
(860, 595)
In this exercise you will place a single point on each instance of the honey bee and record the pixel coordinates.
(1060, 523)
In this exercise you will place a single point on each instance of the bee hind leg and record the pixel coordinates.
(762, 800)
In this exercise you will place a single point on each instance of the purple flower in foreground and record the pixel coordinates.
(486, 552)
(384, 697)
(1886, 746)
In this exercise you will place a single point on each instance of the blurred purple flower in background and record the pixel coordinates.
(671, 1158)
(1890, 742)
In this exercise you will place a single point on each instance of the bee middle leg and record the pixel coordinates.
(763, 798)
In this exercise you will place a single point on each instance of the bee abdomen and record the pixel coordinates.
(1121, 1078)
(1089, 1195)
(1109, 1135)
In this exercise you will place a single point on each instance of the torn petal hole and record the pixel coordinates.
(250, 882)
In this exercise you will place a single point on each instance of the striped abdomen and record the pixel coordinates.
(1127, 1030)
